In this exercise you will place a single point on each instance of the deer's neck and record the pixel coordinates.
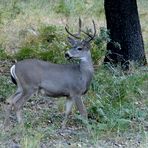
(86, 68)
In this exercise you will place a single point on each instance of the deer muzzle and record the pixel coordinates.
(68, 56)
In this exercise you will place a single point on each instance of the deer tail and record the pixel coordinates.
(13, 75)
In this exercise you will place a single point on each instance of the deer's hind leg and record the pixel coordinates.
(16, 103)
(9, 105)
(19, 102)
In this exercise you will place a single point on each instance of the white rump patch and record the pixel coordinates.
(12, 71)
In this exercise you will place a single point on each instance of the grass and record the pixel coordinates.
(117, 103)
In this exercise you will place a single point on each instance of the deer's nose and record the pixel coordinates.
(67, 55)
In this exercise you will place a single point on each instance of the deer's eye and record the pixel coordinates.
(79, 48)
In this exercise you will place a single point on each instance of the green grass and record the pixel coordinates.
(6, 87)
(115, 100)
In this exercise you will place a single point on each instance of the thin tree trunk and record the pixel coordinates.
(125, 33)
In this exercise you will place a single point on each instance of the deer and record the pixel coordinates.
(54, 80)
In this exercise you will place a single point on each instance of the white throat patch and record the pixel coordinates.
(84, 59)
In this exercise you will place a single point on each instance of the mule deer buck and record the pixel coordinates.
(54, 80)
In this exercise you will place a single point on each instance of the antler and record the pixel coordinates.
(90, 37)
(79, 31)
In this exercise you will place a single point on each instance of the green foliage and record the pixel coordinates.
(114, 99)
(99, 45)
(103, 36)
(26, 53)
(48, 45)
(6, 88)
(48, 34)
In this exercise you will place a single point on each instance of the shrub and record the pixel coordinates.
(99, 45)
(113, 100)
(48, 45)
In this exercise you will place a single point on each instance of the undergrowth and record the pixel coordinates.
(50, 43)
(118, 102)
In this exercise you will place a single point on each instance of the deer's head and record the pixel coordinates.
(80, 47)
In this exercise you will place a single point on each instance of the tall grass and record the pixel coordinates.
(117, 104)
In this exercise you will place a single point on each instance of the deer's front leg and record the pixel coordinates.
(69, 105)
(80, 106)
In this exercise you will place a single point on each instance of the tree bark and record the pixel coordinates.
(125, 32)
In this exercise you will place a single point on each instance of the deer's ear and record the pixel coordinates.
(71, 40)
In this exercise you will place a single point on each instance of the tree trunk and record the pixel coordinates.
(125, 32)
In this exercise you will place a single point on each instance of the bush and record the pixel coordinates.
(48, 45)
(113, 100)
(99, 45)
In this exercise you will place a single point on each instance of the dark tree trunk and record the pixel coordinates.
(125, 32)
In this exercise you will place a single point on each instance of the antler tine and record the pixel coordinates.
(80, 25)
(95, 31)
(71, 33)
